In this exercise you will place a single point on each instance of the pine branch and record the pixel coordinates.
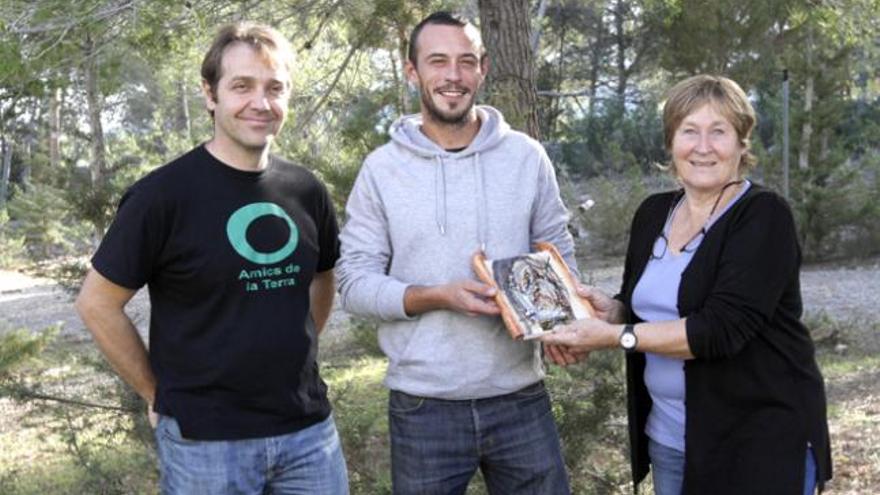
(21, 393)
(305, 119)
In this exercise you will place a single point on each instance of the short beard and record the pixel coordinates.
(456, 119)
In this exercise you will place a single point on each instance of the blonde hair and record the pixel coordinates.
(725, 96)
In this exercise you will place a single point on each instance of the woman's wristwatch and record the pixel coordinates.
(628, 340)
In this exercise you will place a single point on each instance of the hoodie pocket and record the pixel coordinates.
(433, 341)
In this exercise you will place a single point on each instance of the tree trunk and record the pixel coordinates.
(184, 120)
(596, 57)
(560, 78)
(6, 156)
(807, 127)
(824, 144)
(55, 129)
(620, 10)
(510, 87)
(93, 98)
(28, 143)
(98, 165)
(405, 106)
(535, 41)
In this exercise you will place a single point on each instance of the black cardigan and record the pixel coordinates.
(754, 395)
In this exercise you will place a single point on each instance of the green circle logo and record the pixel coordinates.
(236, 231)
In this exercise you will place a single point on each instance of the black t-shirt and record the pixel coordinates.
(228, 257)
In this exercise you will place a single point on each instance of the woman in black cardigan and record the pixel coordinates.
(724, 394)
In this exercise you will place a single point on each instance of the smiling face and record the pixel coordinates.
(706, 150)
(250, 101)
(449, 71)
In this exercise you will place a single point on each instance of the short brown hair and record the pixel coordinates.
(271, 45)
(725, 95)
(441, 18)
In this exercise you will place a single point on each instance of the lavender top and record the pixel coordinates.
(655, 298)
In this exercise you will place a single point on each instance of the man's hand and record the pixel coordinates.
(463, 296)
(471, 297)
(562, 355)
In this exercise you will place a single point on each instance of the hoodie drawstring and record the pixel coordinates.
(406, 133)
(482, 208)
(480, 196)
(440, 196)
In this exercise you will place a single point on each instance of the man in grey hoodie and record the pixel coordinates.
(454, 179)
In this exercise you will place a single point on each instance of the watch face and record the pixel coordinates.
(628, 341)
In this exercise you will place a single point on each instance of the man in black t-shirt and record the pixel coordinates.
(237, 249)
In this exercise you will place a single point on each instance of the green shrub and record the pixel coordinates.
(613, 140)
(607, 221)
(360, 404)
(589, 405)
(68, 272)
(836, 201)
(12, 251)
(43, 218)
(826, 206)
(365, 335)
(88, 428)
(18, 347)
(862, 237)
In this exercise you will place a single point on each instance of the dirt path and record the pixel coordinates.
(848, 292)
(38, 303)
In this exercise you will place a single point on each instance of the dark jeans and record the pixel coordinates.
(437, 445)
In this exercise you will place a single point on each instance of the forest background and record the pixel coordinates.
(96, 93)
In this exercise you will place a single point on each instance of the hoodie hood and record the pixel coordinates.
(406, 132)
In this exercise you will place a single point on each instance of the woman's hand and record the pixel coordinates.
(152, 416)
(582, 336)
(606, 308)
(569, 344)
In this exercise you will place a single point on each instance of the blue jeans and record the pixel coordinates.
(667, 469)
(437, 445)
(810, 480)
(306, 462)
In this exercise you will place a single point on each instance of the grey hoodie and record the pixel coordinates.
(416, 215)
